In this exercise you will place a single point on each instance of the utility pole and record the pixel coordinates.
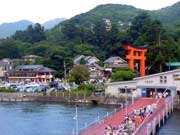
(77, 120)
(159, 43)
(64, 73)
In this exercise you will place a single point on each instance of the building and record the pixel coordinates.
(30, 58)
(5, 66)
(31, 73)
(88, 60)
(148, 86)
(115, 62)
(96, 72)
(173, 65)
(108, 25)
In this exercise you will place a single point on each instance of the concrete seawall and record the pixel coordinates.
(41, 97)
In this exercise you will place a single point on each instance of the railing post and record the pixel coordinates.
(166, 110)
(154, 126)
(159, 121)
(172, 103)
(163, 116)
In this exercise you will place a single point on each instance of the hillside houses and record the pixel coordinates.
(88, 60)
(115, 62)
(97, 72)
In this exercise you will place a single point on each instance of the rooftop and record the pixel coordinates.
(112, 59)
(36, 68)
(173, 64)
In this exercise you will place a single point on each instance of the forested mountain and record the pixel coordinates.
(7, 29)
(114, 12)
(118, 13)
(51, 23)
(169, 16)
(100, 32)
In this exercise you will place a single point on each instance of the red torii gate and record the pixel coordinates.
(136, 53)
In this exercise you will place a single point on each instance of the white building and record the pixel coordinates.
(148, 86)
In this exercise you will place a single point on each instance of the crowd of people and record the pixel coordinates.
(131, 121)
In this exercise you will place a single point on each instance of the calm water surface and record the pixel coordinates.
(172, 127)
(45, 119)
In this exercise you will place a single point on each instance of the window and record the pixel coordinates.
(122, 90)
(163, 79)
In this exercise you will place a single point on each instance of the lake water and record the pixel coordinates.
(172, 126)
(45, 118)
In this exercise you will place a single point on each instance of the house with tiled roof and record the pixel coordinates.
(115, 62)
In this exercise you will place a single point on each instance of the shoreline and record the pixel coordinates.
(40, 97)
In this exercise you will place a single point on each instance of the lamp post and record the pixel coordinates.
(76, 118)
(126, 99)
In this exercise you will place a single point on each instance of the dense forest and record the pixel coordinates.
(87, 34)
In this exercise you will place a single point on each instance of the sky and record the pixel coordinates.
(43, 10)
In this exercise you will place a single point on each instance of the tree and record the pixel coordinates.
(78, 74)
(139, 26)
(122, 74)
(32, 34)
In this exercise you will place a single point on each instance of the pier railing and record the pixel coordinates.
(151, 120)
(99, 119)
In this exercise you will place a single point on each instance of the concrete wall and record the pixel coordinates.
(114, 88)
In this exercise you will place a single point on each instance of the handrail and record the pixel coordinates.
(100, 120)
(147, 116)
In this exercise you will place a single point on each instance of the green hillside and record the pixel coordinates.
(169, 16)
(115, 12)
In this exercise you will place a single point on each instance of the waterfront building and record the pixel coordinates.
(5, 66)
(31, 73)
(148, 86)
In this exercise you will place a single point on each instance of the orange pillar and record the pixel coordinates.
(142, 67)
(131, 59)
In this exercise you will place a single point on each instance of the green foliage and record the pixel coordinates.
(86, 87)
(122, 74)
(78, 74)
(7, 90)
(32, 34)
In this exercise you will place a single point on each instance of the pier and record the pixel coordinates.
(150, 124)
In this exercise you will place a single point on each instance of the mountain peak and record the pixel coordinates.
(51, 23)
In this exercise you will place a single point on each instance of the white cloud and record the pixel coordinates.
(43, 10)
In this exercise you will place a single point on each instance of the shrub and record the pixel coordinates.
(7, 90)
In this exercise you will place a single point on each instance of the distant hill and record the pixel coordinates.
(124, 14)
(7, 29)
(170, 15)
(51, 23)
(114, 12)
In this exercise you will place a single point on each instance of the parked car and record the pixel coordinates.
(59, 88)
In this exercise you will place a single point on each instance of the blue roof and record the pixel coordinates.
(173, 64)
